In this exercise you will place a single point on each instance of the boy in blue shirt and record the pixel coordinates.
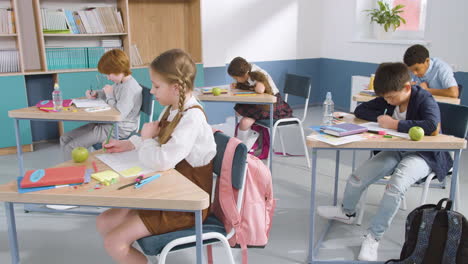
(405, 106)
(432, 74)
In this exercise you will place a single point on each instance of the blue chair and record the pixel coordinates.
(454, 122)
(213, 229)
(147, 107)
(299, 86)
(460, 91)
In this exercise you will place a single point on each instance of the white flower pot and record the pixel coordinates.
(381, 34)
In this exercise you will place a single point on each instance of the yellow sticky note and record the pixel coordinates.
(105, 176)
(133, 171)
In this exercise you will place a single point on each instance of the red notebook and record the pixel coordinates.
(53, 176)
(50, 103)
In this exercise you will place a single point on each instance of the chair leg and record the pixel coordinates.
(282, 142)
(426, 186)
(272, 143)
(306, 151)
(362, 207)
(227, 248)
(457, 197)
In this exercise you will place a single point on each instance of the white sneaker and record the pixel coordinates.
(369, 249)
(251, 139)
(335, 213)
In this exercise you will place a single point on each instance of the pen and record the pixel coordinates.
(147, 180)
(95, 167)
(385, 112)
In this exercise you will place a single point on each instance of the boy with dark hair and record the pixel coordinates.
(432, 74)
(405, 106)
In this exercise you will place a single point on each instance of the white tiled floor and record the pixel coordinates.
(58, 238)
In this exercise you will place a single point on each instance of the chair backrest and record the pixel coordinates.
(239, 163)
(299, 86)
(147, 104)
(460, 90)
(454, 119)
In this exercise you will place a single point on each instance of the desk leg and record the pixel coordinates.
(454, 183)
(199, 232)
(19, 151)
(12, 238)
(116, 131)
(271, 138)
(337, 173)
(310, 258)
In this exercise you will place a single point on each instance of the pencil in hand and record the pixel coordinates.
(108, 136)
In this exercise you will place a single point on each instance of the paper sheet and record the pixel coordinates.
(89, 103)
(375, 127)
(336, 141)
(125, 163)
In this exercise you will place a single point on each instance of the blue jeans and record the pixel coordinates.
(405, 168)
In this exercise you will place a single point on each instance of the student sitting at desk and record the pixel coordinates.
(252, 78)
(182, 139)
(431, 74)
(125, 95)
(406, 106)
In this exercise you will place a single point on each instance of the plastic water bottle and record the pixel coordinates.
(328, 108)
(57, 98)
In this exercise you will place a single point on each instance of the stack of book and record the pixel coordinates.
(9, 60)
(43, 179)
(74, 58)
(93, 20)
(7, 21)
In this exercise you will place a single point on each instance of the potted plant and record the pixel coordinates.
(386, 19)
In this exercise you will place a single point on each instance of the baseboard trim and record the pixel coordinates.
(12, 150)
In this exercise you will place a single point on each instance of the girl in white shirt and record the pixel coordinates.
(181, 139)
(251, 77)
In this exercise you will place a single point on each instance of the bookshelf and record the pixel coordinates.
(10, 44)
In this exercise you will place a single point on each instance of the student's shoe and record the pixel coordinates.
(335, 213)
(369, 249)
(251, 139)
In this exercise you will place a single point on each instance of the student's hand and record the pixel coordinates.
(413, 83)
(91, 95)
(424, 85)
(150, 130)
(115, 146)
(108, 89)
(386, 121)
(233, 85)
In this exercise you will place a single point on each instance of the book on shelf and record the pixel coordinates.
(135, 56)
(7, 21)
(91, 20)
(9, 60)
(60, 58)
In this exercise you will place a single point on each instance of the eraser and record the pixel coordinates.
(382, 133)
(387, 136)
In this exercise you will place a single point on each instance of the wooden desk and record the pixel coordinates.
(442, 99)
(428, 143)
(33, 113)
(172, 191)
(250, 99)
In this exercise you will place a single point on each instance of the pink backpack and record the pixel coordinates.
(253, 223)
(261, 148)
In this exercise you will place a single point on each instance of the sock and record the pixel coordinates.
(243, 134)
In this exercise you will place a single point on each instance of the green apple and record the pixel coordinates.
(216, 91)
(80, 154)
(416, 133)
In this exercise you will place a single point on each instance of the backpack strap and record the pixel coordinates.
(454, 233)
(425, 228)
(229, 204)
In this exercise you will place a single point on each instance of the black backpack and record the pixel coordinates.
(435, 235)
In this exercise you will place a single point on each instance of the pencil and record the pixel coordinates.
(385, 112)
(109, 135)
(95, 167)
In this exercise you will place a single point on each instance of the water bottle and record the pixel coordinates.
(328, 108)
(57, 98)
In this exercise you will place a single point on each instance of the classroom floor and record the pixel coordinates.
(68, 238)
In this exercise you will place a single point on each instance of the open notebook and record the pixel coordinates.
(89, 103)
(125, 163)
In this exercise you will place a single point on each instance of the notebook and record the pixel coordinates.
(344, 129)
(54, 176)
(209, 90)
(368, 92)
(89, 103)
(126, 163)
(50, 103)
(35, 189)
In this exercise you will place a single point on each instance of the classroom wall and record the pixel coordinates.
(342, 58)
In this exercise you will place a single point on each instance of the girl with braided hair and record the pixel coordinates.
(251, 77)
(181, 139)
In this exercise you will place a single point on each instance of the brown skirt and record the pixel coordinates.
(160, 222)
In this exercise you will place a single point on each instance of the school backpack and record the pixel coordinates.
(252, 224)
(435, 235)
(261, 148)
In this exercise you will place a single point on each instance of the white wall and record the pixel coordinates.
(446, 22)
(259, 30)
